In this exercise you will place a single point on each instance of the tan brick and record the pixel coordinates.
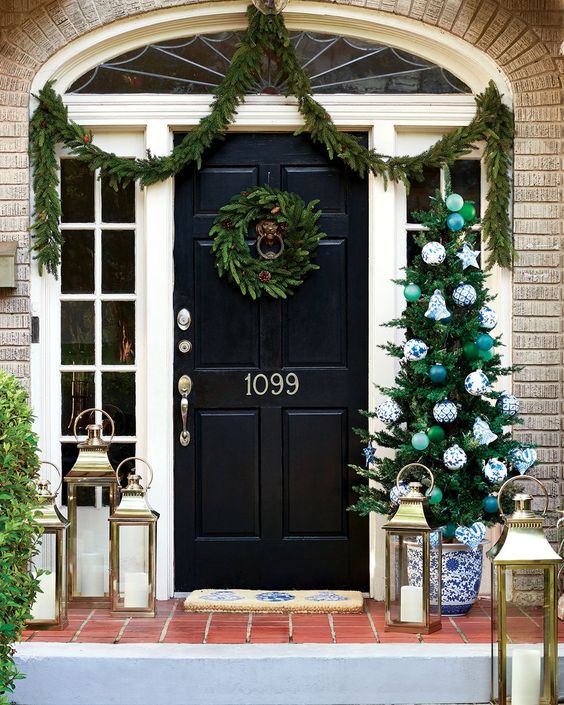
(534, 146)
(479, 21)
(546, 113)
(538, 226)
(537, 210)
(537, 293)
(543, 193)
(537, 242)
(537, 308)
(536, 178)
(535, 162)
(536, 276)
(465, 15)
(536, 342)
(542, 324)
(539, 259)
(539, 97)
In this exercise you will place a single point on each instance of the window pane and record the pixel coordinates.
(420, 191)
(118, 332)
(77, 262)
(465, 176)
(118, 206)
(77, 192)
(77, 333)
(335, 64)
(118, 262)
(118, 399)
(77, 394)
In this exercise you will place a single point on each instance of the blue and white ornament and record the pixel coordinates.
(388, 411)
(508, 404)
(482, 432)
(471, 536)
(487, 318)
(415, 349)
(437, 309)
(433, 253)
(369, 455)
(454, 457)
(495, 470)
(398, 491)
(464, 295)
(523, 458)
(445, 411)
(476, 383)
(468, 256)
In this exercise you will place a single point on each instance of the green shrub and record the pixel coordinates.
(19, 464)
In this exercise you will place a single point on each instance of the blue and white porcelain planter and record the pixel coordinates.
(461, 577)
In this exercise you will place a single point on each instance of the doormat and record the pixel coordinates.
(274, 601)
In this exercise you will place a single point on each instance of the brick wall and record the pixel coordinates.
(523, 36)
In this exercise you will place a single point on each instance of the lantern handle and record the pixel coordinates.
(420, 465)
(518, 478)
(135, 457)
(59, 473)
(86, 411)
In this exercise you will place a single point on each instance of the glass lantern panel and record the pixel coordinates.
(134, 587)
(435, 578)
(406, 578)
(45, 606)
(526, 632)
(92, 540)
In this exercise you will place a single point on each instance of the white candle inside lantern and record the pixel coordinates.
(411, 604)
(92, 574)
(45, 606)
(525, 677)
(136, 590)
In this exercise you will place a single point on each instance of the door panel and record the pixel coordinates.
(261, 492)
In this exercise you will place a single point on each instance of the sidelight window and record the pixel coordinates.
(98, 347)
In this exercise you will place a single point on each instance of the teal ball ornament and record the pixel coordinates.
(449, 530)
(455, 222)
(490, 504)
(484, 341)
(436, 434)
(412, 292)
(437, 374)
(454, 202)
(435, 495)
(486, 355)
(420, 441)
(468, 211)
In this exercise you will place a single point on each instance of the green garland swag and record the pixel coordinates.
(493, 123)
(255, 275)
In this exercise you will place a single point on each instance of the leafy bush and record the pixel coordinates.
(19, 464)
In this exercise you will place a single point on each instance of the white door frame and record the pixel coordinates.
(385, 118)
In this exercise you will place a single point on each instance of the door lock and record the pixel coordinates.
(183, 319)
(184, 387)
(185, 346)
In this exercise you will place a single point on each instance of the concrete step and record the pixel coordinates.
(254, 674)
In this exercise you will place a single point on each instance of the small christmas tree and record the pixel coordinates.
(443, 411)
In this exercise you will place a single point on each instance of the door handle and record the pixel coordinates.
(184, 387)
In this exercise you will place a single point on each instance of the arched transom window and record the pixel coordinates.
(334, 64)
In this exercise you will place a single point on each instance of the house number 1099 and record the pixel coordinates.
(260, 384)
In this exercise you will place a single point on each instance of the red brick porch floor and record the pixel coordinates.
(174, 626)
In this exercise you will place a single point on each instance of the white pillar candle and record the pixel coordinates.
(92, 574)
(44, 607)
(136, 590)
(411, 604)
(525, 677)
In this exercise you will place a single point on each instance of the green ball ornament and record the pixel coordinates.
(436, 434)
(420, 441)
(484, 341)
(454, 202)
(435, 496)
(486, 355)
(468, 211)
(437, 374)
(490, 504)
(412, 292)
(449, 530)
(471, 351)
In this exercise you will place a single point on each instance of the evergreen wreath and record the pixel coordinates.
(493, 123)
(301, 235)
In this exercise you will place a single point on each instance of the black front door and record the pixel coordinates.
(261, 491)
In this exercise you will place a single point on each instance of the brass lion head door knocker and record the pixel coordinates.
(268, 232)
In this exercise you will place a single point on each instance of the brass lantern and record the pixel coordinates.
(524, 634)
(413, 563)
(91, 499)
(133, 530)
(49, 611)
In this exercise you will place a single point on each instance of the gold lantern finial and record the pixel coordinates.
(93, 451)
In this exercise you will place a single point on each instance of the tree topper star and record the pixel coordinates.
(468, 256)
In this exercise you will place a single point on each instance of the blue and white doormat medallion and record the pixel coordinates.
(274, 601)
